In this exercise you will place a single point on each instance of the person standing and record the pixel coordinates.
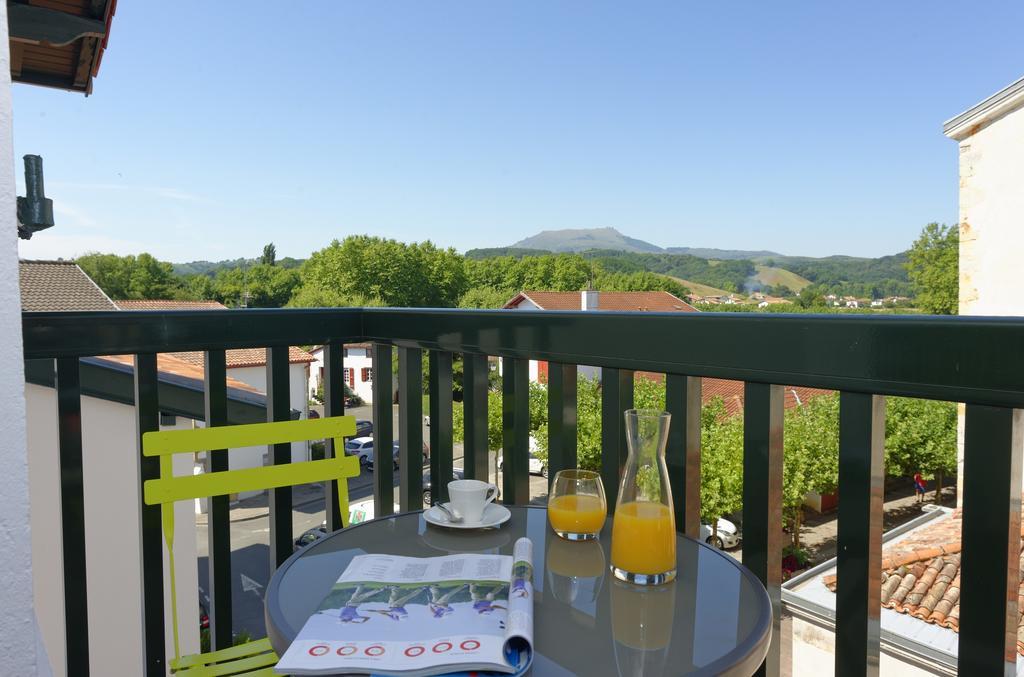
(919, 487)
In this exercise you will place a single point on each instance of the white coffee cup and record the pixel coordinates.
(470, 497)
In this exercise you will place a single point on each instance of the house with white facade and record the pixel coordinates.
(358, 370)
(990, 135)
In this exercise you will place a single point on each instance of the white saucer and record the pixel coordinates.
(494, 515)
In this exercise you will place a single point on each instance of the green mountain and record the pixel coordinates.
(583, 239)
(721, 254)
(211, 268)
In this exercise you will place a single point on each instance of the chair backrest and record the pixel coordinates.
(168, 489)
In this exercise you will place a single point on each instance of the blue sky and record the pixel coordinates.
(808, 129)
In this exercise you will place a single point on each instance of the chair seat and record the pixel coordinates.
(252, 658)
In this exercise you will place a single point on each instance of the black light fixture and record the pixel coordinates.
(35, 211)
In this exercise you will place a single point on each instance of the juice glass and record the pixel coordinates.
(644, 530)
(577, 507)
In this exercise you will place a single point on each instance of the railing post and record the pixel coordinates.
(441, 465)
(683, 402)
(474, 408)
(859, 543)
(72, 515)
(990, 564)
(279, 409)
(219, 523)
(762, 503)
(334, 405)
(147, 418)
(410, 424)
(515, 420)
(562, 396)
(383, 428)
(616, 398)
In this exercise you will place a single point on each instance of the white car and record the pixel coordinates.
(728, 535)
(536, 466)
(361, 447)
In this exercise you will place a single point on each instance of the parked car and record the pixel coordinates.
(536, 467)
(311, 536)
(364, 428)
(394, 456)
(361, 447)
(728, 535)
(457, 474)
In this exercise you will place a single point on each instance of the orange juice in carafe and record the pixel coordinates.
(644, 538)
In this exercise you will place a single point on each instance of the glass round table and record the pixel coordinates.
(714, 619)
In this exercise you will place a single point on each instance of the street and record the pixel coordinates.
(250, 536)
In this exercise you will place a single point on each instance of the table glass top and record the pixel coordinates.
(713, 619)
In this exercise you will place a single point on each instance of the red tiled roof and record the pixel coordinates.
(171, 363)
(158, 304)
(921, 576)
(238, 357)
(247, 357)
(731, 393)
(650, 301)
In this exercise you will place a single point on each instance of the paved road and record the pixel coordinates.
(250, 552)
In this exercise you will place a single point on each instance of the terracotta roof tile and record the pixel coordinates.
(159, 304)
(240, 357)
(59, 286)
(649, 301)
(170, 363)
(921, 576)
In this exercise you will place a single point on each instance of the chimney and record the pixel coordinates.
(588, 299)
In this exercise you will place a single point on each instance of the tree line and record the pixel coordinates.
(366, 271)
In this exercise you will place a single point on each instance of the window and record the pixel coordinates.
(350, 377)
(367, 374)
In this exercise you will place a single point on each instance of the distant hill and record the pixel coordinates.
(700, 289)
(770, 276)
(490, 252)
(211, 268)
(724, 254)
(584, 239)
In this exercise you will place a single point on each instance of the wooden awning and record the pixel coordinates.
(58, 43)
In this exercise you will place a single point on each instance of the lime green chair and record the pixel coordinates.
(252, 658)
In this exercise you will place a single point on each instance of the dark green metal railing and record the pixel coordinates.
(977, 361)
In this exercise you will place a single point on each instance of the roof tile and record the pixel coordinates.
(648, 301)
(59, 286)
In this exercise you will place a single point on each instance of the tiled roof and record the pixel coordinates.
(731, 393)
(651, 301)
(59, 286)
(169, 305)
(247, 357)
(921, 576)
(240, 357)
(171, 363)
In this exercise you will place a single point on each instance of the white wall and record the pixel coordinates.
(20, 649)
(298, 398)
(355, 359)
(113, 546)
(814, 654)
(991, 225)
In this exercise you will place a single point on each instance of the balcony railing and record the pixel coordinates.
(976, 361)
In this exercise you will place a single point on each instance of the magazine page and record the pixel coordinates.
(393, 615)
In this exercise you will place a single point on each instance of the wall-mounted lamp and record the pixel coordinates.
(35, 211)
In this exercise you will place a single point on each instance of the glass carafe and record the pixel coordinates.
(644, 529)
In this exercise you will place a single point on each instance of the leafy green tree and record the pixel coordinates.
(269, 256)
(933, 266)
(920, 436)
(485, 297)
(131, 277)
(394, 273)
(721, 463)
(810, 456)
(259, 286)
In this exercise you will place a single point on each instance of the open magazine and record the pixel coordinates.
(410, 616)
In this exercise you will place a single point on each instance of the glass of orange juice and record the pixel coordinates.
(577, 506)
